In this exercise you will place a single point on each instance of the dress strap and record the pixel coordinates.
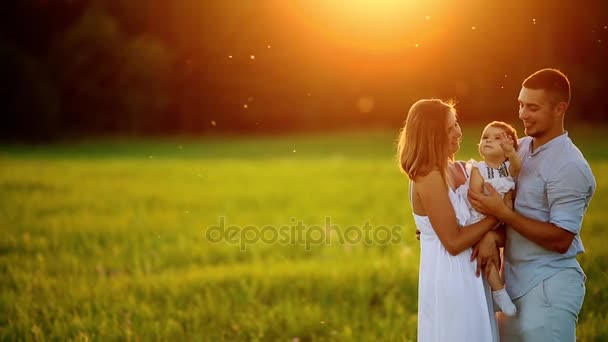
(464, 170)
(411, 194)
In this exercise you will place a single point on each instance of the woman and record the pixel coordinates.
(453, 303)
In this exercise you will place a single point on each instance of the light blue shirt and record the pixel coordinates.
(555, 184)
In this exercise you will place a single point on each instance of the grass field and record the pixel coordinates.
(109, 240)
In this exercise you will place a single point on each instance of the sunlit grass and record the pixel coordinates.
(107, 240)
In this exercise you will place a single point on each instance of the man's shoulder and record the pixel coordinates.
(524, 144)
(524, 140)
(569, 160)
(570, 154)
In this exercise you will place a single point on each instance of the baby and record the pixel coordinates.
(498, 147)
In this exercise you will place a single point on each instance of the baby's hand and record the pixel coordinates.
(506, 143)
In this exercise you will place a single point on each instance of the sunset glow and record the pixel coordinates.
(361, 25)
(354, 34)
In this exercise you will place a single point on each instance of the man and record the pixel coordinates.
(542, 234)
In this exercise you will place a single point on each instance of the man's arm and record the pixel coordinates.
(545, 234)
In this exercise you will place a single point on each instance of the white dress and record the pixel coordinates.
(453, 303)
(499, 178)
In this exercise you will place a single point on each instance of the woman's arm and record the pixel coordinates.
(509, 198)
(486, 250)
(433, 194)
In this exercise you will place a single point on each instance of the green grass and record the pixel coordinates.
(106, 240)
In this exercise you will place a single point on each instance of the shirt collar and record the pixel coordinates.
(549, 144)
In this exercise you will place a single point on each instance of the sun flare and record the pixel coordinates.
(364, 29)
(365, 25)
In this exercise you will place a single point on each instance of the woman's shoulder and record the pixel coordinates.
(434, 173)
(431, 185)
(432, 178)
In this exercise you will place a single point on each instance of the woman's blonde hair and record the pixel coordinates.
(423, 142)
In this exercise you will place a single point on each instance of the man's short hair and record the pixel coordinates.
(553, 81)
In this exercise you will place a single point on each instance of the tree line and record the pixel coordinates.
(78, 68)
